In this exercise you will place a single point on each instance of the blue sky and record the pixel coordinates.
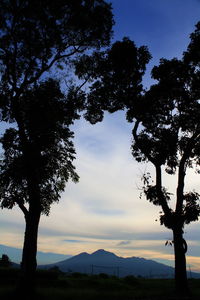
(104, 209)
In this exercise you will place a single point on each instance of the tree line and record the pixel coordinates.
(72, 38)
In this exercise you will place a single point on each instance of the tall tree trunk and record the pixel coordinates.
(26, 285)
(180, 262)
(29, 262)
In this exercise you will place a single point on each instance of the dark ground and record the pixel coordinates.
(56, 285)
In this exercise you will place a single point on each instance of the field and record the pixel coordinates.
(58, 286)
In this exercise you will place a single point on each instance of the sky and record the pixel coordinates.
(104, 210)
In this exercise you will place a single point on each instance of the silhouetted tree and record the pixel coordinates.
(34, 38)
(167, 134)
(37, 165)
(166, 124)
(5, 261)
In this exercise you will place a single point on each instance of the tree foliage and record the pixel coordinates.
(47, 149)
(168, 136)
(117, 79)
(36, 36)
(5, 261)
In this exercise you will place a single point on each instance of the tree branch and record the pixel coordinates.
(23, 208)
(56, 58)
(33, 79)
(161, 196)
(182, 171)
(157, 166)
(141, 147)
(80, 86)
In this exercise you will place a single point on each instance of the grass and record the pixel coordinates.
(53, 285)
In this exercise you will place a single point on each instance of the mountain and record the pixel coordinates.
(103, 261)
(100, 261)
(15, 255)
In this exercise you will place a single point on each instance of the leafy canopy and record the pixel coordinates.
(34, 36)
(167, 133)
(47, 150)
(117, 78)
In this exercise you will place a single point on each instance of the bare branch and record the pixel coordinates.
(80, 87)
(23, 208)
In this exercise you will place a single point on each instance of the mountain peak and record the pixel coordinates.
(99, 251)
(102, 252)
(82, 254)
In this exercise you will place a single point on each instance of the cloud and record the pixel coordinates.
(73, 241)
(107, 212)
(124, 243)
(104, 209)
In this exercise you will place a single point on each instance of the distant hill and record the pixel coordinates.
(15, 255)
(100, 261)
(103, 261)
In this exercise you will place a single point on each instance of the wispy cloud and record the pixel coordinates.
(124, 243)
(73, 241)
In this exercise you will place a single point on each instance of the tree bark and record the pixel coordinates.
(29, 262)
(180, 262)
(26, 284)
